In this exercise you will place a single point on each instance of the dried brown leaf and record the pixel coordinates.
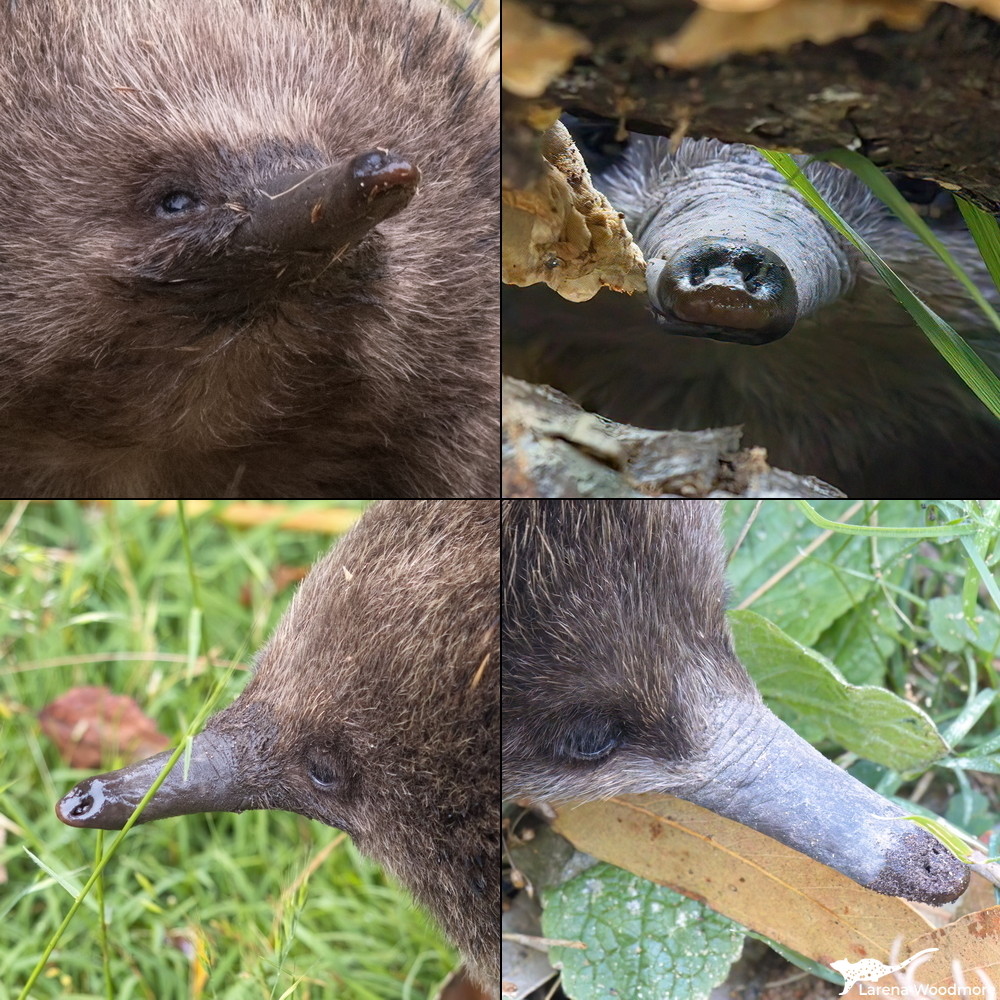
(745, 875)
(533, 51)
(722, 27)
(92, 728)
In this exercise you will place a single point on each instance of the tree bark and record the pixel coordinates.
(923, 102)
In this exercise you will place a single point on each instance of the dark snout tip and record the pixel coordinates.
(84, 807)
(918, 867)
(330, 208)
(380, 172)
(725, 289)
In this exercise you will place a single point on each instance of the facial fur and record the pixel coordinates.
(604, 669)
(374, 706)
(148, 347)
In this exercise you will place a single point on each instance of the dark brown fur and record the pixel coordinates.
(619, 676)
(373, 708)
(384, 674)
(590, 657)
(371, 373)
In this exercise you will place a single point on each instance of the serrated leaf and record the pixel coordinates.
(808, 692)
(643, 941)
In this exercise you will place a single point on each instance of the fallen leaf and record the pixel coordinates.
(534, 52)
(91, 727)
(965, 961)
(744, 875)
(710, 35)
(974, 939)
(458, 986)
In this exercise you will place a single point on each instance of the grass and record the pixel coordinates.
(257, 905)
(968, 365)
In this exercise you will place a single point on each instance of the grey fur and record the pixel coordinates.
(381, 681)
(750, 202)
(148, 356)
(854, 394)
(619, 676)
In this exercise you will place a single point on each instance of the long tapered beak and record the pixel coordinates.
(331, 207)
(210, 784)
(765, 776)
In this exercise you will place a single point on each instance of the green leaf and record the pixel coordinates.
(971, 713)
(838, 574)
(789, 955)
(643, 941)
(972, 812)
(989, 765)
(953, 631)
(808, 692)
(858, 642)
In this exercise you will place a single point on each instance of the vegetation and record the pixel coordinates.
(255, 905)
(876, 641)
(985, 229)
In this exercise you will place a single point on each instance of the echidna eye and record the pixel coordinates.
(591, 740)
(594, 754)
(322, 774)
(176, 203)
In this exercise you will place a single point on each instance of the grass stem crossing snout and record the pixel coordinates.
(619, 676)
(374, 708)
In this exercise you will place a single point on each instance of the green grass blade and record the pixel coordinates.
(945, 833)
(71, 887)
(95, 875)
(887, 192)
(986, 232)
(973, 371)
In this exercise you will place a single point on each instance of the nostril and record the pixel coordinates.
(730, 289)
(83, 806)
(752, 268)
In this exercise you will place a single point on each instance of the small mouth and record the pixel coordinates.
(672, 323)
